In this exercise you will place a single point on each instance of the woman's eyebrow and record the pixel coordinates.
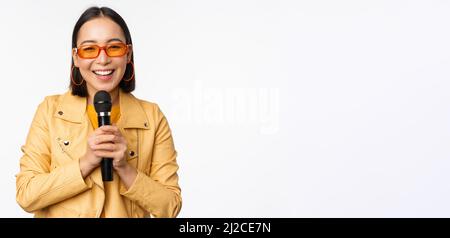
(88, 41)
(114, 39)
(93, 41)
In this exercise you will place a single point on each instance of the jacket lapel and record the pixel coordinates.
(71, 108)
(132, 115)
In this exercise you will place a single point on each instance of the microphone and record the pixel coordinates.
(102, 104)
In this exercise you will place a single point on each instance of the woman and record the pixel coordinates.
(59, 170)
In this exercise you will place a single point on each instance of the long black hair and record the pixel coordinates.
(89, 14)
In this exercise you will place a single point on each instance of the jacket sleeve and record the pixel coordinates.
(159, 193)
(36, 186)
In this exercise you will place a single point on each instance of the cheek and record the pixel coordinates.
(84, 66)
(121, 66)
(122, 63)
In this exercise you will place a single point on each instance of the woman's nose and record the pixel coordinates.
(103, 58)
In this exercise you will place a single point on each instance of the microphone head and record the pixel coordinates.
(102, 101)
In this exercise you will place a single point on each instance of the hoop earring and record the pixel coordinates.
(71, 77)
(132, 75)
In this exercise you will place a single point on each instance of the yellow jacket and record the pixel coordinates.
(50, 184)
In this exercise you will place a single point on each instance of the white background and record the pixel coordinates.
(343, 108)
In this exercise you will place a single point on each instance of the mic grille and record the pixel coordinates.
(102, 101)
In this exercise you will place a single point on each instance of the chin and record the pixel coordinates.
(107, 86)
(107, 89)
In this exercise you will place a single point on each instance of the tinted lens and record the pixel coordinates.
(115, 50)
(90, 51)
(112, 50)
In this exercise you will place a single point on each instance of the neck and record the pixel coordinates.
(114, 97)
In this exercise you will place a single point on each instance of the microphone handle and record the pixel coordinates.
(106, 164)
(107, 171)
(104, 120)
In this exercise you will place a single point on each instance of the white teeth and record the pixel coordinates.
(103, 72)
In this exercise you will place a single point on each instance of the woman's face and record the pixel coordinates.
(103, 72)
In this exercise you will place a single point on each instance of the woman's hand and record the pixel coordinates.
(90, 161)
(105, 142)
(126, 172)
(108, 142)
(117, 151)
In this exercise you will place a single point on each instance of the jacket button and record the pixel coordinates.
(131, 153)
(66, 142)
(60, 112)
(145, 124)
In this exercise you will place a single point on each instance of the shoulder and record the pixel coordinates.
(150, 108)
(52, 99)
(57, 99)
(155, 116)
(46, 108)
(61, 102)
(50, 102)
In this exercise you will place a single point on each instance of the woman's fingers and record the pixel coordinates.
(105, 154)
(105, 147)
(109, 129)
(108, 142)
(108, 138)
(106, 130)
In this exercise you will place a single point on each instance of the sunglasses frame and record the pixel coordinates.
(104, 49)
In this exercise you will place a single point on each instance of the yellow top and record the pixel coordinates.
(115, 114)
(92, 114)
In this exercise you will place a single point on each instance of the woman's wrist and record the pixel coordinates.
(127, 174)
(85, 167)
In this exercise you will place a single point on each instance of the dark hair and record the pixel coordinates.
(89, 14)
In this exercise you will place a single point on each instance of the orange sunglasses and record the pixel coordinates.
(93, 51)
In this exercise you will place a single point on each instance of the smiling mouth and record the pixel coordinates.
(103, 72)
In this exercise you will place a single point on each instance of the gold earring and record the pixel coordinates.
(132, 75)
(71, 77)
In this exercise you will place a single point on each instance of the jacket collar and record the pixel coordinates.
(73, 108)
